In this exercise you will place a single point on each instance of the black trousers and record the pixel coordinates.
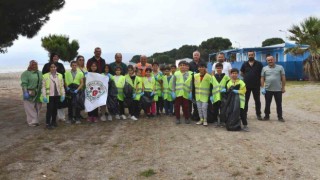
(73, 112)
(278, 98)
(243, 117)
(216, 111)
(134, 108)
(160, 104)
(256, 97)
(52, 108)
(94, 113)
(121, 107)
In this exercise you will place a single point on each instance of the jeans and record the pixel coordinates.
(159, 104)
(202, 109)
(52, 109)
(168, 107)
(134, 108)
(278, 98)
(256, 97)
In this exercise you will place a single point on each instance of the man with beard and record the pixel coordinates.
(251, 71)
(98, 59)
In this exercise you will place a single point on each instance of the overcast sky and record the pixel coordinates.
(149, 26)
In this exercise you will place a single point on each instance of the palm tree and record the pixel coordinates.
(308, 33)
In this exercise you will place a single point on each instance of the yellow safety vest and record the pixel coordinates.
(167, 88)
(242, 90)
(182, 87)
(46, 78)
(202, 88)
(69, 78)
(217, 87)
(120, 84)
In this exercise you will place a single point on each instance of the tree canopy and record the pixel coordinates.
(211, 45)
(308, 33)
(60, 44)
(272, 41)
(23, 18)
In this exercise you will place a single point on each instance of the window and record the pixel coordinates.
(277, 57)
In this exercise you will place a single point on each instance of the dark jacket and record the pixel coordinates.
(60, 68)
(123, 67)
(252, 74)
(100, 64)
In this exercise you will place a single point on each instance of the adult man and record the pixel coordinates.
(143, 65)
(273, 82)
(226, 65)
(193, 67)
(98, 59)
(251, 71)
(118, 63)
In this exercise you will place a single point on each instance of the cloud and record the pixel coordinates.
(146, 27)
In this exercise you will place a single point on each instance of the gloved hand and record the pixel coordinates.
(108, 75)
(85, 73)
(25, 95)
(142, 93)
(173, 95)
(134, 95)
(235, 91)
(211, 99)
(156, 78)
(75, 91)
(160, 73)
(263, 91)
(68, 88)
(152, 93)
(223, 90)
(45, 100)
(62, 98)
(190, 96)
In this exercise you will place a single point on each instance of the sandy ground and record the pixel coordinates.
(124, 149)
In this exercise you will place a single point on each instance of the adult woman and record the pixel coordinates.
(81, 64)
(52, 93)
(31, 81)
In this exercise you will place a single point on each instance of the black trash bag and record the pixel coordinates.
(112, 105)
(232, 110)
(112, 89)
(80, 97)
(210, 112)
(146, 100)
(127, 90)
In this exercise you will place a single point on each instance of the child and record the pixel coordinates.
(135, 83)
(94, 114)
(219, 81)
(173, 68)
(181, 92)
(159, 86)
(167, 88)
(120, 81)
(52, 92)
(74, 83)
(239, 87)
(104, 114)
(202, 81)
(149, 85)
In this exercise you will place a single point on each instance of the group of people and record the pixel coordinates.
(155, 89)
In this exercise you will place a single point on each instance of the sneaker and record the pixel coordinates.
(123, 117)
(129, 116)
(94, 119)
(133, 118)
(68, 121)
(177, 121)
(200, 122)
(103, 118)
(34, 124)
(187, 121)
(281, 119)
(117, 117)
(205, 123)
(222, 124)
(259, 117)
(78, 122)
(109, 118)
(245, 128)
(216, 124)
(266, 118)
(49, 127)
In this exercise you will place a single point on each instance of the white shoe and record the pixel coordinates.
(109, 118)
(205, 123)
(123, 117)
(133, 118)
(117, 116)
(129, 116)
(103, 118)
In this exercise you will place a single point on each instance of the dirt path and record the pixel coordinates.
(124, 149)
